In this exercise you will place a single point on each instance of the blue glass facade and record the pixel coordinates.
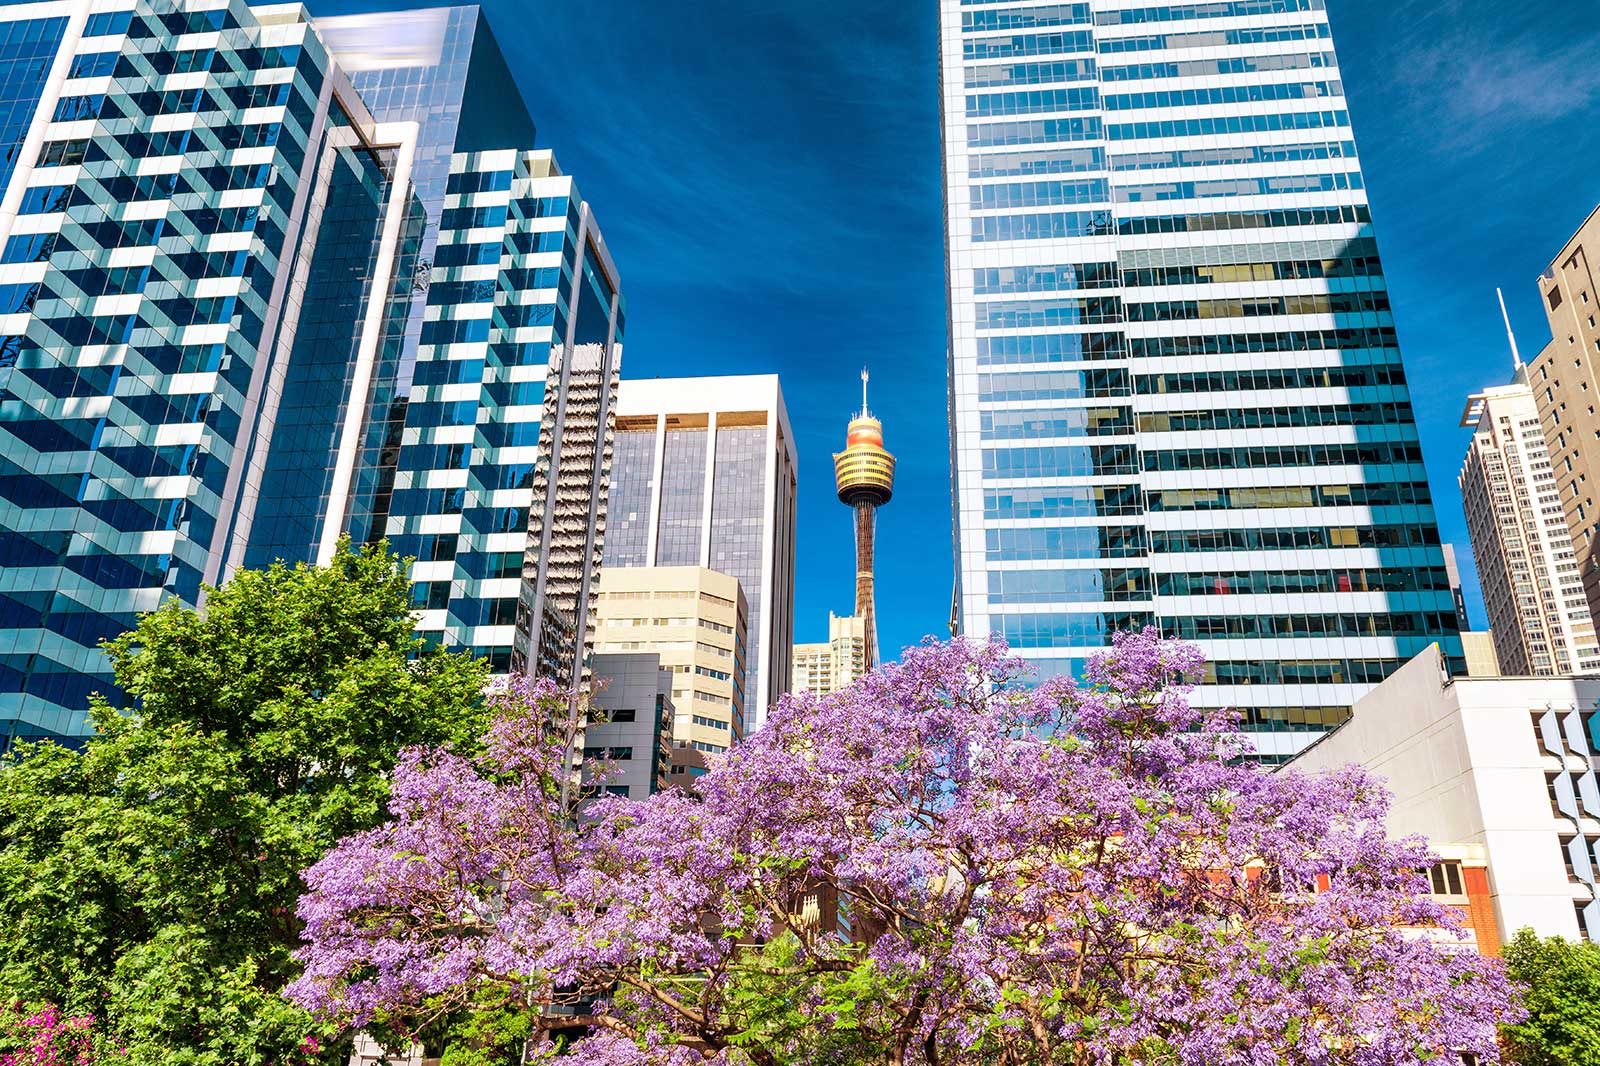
(1176, 392)
(215, 300)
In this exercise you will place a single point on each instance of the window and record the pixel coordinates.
(1446, 879)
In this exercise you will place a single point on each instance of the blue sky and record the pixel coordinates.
(767, 175)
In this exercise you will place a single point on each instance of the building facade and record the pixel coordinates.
(630, 723)
(1565, 381)
(1176, 395)
(221, 341)
(1507, 763)
(1532, 589)
(834, 666)
(696, 622)
(703, 474)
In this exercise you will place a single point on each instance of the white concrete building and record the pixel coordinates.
(1532, 588)
(703, 474)
(1508, 763)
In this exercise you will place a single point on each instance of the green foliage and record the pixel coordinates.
(1562, 999)
(151, 879)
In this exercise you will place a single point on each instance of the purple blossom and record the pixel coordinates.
(1081, 872)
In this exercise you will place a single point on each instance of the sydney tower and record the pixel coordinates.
(864, 472)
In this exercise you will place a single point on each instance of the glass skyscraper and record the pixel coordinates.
(246, 307)
(1176, 396)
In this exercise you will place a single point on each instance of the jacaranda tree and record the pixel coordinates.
(938, 865)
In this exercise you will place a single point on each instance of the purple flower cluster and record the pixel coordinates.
(939, 865)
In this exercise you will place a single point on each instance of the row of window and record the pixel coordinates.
(1200, 68)
(1031, 73)
(1216, 38)
(1293, 377)
(1025, 17)
(993, 280)
(1209, 9)
(1249, 498)
(1082, 460)
(1266, 582)
(1068, 586)
(1065, 542)
(1032, 102)
(1308, 340)
(1351, 266)
(1244, 626)
(1334, 303)
(1291, 538)
(1039, 194)
(1165, 129)
(1276, 185)
(1072, 501)
(1303, 455)
(1258, 92)
(1234, 155)
(1354, 414)
(1040, 425)
(1029, 44)
(1040, 161)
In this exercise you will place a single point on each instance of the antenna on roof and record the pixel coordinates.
(1516, 356)
(863, 392)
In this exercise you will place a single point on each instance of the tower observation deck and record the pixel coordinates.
(864, 474)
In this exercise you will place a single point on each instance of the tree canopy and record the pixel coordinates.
(936, 866)
(1561, 995)
(150, 879)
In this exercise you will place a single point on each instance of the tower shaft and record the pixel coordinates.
(866, 610)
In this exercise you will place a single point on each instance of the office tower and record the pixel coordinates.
(835, 665)
(630, 724)
(703, 474)
(1176, 397)
(696, 622)
(864, 474)
(502, 459)
(218, 230)
(1532, 590)
(1565, 383)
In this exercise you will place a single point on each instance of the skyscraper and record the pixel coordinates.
(1176, 396)
(703, 474)
(1565, 378)
(1532, 590)
(220, 338)
(864, 475)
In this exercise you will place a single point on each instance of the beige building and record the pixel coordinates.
(1532, 590)
(695, 620)
(825, 668)
(1567, 389)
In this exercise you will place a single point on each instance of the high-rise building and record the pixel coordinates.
(1565, 378)
(1176, 395)
(695, 622)
(835, 665)
(253, 299)
(703, 474)
(864, 475)
(1532, 590)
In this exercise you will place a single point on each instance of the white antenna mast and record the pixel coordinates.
(1516, 356)
(863, 392)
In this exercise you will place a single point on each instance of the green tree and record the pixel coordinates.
(151, 879)
(1561, 982)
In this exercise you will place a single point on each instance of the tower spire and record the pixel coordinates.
(863, 392)
(1516, 356)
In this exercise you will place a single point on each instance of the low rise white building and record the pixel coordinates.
(1505, 762)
